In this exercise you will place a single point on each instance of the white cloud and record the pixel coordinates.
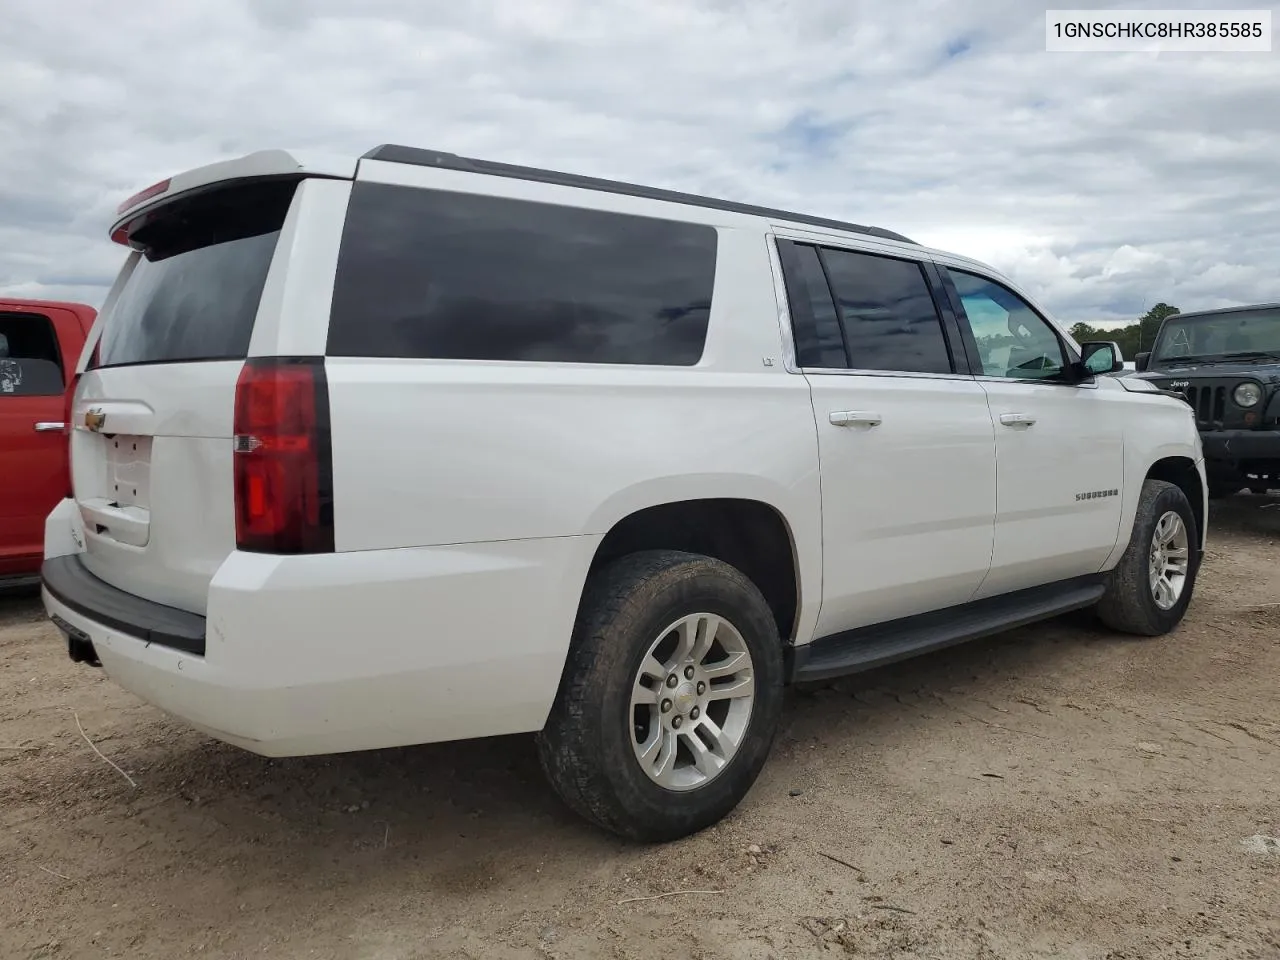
(1130, 260)
(1102, 183)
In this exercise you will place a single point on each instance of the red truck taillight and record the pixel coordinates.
(283, 459)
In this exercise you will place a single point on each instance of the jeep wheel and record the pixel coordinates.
(1149, 589)
(670, 696)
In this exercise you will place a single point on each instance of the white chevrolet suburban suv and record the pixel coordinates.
(413, 447)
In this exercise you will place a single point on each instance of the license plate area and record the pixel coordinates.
(128, 474)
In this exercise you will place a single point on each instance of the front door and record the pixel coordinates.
(1059, 445)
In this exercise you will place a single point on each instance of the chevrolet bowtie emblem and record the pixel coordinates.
(95, 419)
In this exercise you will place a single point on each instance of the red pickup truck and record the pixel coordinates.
(40, 343)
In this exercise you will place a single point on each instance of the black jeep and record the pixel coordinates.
(1226, 364)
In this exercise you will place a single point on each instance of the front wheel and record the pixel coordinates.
(1148, 591)
(670, 698)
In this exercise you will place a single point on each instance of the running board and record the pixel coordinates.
(868, 647)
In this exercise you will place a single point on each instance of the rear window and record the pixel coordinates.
(195, 292)
(430, 274)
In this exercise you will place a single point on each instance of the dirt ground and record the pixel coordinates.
(1058, 792)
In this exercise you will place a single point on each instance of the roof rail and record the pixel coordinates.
(393, 153)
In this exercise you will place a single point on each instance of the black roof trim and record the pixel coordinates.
(392, 153)
(1192, 314)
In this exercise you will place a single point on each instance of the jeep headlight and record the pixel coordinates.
(1247, 395)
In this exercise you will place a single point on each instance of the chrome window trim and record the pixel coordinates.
(897, 374)
(916, 375)
(1090, 384)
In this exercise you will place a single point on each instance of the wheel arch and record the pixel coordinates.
(750, 534)
(1183, 473)
(1156, 454)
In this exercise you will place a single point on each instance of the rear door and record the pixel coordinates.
(904, 436)
(33, 447)
(151, 446)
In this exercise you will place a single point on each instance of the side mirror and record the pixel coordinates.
(1101, 356)
(1141, 361)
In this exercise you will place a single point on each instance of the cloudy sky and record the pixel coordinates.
(1103, 182)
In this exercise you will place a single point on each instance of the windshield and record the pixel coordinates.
(1242, 333)
(194, 293)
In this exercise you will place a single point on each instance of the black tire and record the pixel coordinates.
(1128, 604)
(585, 747)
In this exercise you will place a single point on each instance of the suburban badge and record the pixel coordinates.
(1097, 494)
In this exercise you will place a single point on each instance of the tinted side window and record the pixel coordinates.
(889, 317)
(429, 274)
(815, 327)
(1013, 340)
(30, 365)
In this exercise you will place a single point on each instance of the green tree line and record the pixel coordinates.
(1134, 338)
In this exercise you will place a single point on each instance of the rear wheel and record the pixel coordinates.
(670, 698)
(1149, 589)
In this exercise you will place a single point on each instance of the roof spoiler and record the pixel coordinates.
(264, 164)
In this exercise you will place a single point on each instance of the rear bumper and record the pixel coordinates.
(67, 581)
(346, 651)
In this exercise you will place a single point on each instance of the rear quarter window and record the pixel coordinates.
(437, 275)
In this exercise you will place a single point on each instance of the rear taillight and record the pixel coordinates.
(283, 463)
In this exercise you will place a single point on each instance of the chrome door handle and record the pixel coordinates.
(855, 418)
(48, 426)
(1017, 419)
